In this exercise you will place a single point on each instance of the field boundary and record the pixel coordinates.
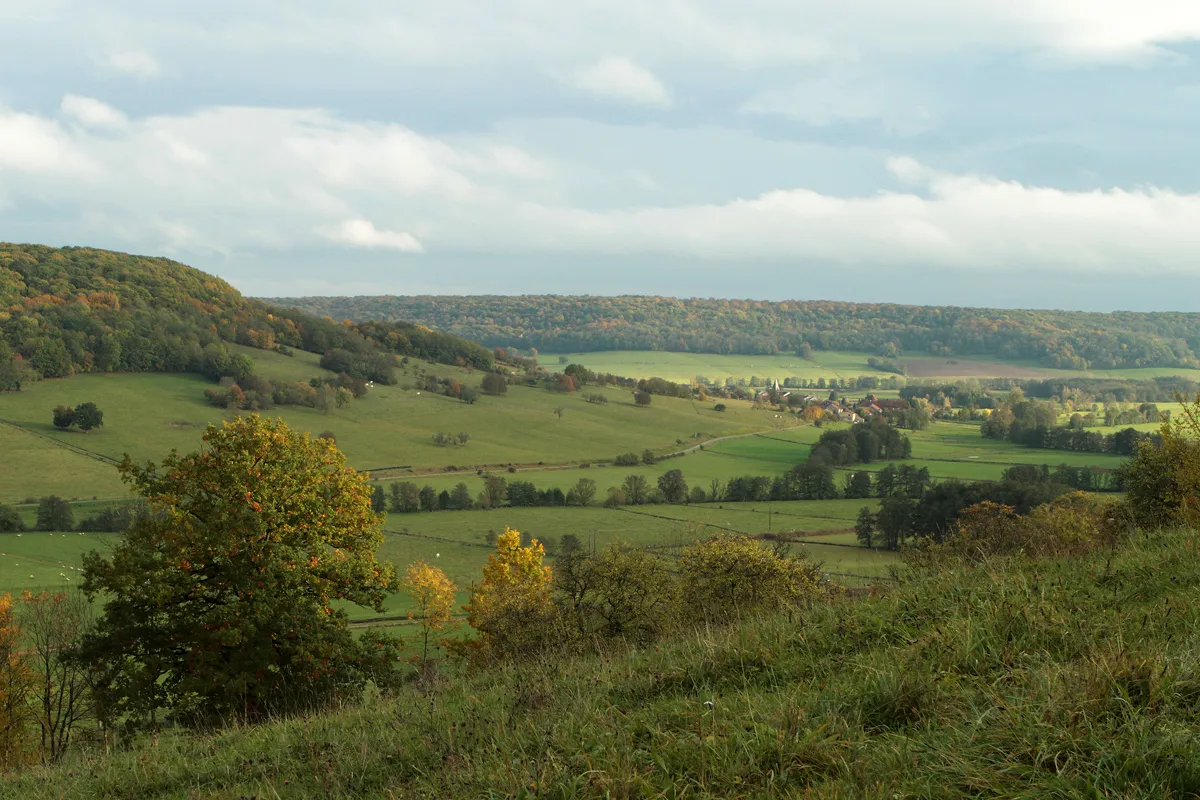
(82, 451)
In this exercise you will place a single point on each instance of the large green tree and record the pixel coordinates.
(673, 486)
(54, 514)
(87, 416)
(220, 603)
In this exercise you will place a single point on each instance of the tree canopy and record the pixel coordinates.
(1065, 339)
(78, 309)
(221, 602)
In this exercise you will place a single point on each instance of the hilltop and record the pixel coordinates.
(77, 310)
(1055, 339)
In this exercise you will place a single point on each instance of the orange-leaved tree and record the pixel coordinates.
(16, 683)
(220, 603)
(433, 598)
(511, 607)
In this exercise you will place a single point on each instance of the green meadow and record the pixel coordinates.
(683, 367)
(389, 432)
(147, 415)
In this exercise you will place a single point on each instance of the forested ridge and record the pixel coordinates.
(76, 309)
(1060, 339)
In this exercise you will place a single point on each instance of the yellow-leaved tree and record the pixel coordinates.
(511, 608)
(433, 597)
(16, 682)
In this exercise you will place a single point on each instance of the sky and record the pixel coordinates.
(1013, 153)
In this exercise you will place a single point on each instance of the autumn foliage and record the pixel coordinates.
(221, 602)
(16, 682)
(511, 608)
(432, 594)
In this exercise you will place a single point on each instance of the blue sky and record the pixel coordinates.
(1034, 153)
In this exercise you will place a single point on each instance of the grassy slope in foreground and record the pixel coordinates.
(1049, 679)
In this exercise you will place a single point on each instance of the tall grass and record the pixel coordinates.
(1052, 678)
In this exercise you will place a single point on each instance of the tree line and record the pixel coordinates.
(1060, 339)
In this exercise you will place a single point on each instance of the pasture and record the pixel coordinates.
(147, 415)
(682, 367)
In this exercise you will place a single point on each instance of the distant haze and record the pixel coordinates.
(1001, 154)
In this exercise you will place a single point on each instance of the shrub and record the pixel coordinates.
(10, 520)
(1072, 524)
(627, 460)
(511, 607)
(615, 497)
(621, 592)
(494, 383)
(728, 577)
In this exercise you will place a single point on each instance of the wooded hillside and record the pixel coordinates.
(1060, 339)
(75, 309)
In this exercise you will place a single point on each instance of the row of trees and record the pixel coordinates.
(404, 497)
(925, 510)
(55, 514)
(256, 393)
(1033, 423)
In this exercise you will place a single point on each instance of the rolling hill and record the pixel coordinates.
(1055, 339)
(81, 310)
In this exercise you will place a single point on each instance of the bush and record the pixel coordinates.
(10, 520)
(1070, 525)
(494, 383)
(627, 460)
(511, 607)
(615, 497)
(729, 577)
(1161, 482)
(622, 592)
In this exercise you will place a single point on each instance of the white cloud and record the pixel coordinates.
(35, 145)
(363, 233)
(135, 63)
(740, 33)
(91, 112)
(961, 221)
(621, 79)
(241, 179)
(830, 99)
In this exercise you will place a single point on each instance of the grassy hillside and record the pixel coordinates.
(1068, 678)
(146, 415)
(1062, 339)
